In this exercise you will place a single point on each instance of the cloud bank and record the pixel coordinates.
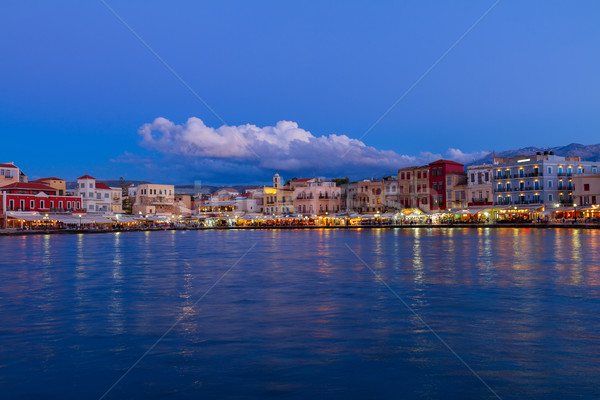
(284, 147)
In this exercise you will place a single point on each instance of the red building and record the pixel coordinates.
(440, 180)
(36, 197)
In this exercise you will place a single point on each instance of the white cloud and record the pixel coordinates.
(461, 157)
(284, 147)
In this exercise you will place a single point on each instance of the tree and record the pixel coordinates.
(340, 181)
(126, 202)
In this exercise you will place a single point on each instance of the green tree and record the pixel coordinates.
(340, 181)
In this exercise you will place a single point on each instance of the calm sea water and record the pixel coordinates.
(300, 316)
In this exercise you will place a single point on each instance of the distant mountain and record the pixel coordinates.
(208, 189)
(589, 152)
(110, 183)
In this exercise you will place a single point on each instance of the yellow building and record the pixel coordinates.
(59, 184)
(278, 199)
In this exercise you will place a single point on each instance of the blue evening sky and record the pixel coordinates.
(76, 85)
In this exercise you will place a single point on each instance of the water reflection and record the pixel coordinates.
(300, 316)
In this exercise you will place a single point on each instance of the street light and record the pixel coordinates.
(575, 213)
(80, 221)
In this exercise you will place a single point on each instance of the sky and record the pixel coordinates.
(291, 87)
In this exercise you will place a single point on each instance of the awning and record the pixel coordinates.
(25, 217)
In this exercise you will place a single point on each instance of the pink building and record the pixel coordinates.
(317, 197)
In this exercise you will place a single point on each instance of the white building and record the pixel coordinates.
(479, 185)
(541, 179)
(390, 190)
(93, 200)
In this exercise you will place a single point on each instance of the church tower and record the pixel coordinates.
(276, 181)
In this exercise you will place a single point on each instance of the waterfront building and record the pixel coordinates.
(348, 196)
(537, 180)
(10, 173)
(245, 203)
(184, 200)
(444, 175)
(456, 190)
(390, 189)
(586, 189)
(224, 194)
(413, 187)
(96, 196)
(35, 198)
(59, 184)
(278, 199)
(154, 199)
(479, 185)
(366, 196)
(317, 196)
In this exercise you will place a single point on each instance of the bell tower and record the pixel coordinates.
(276, 181)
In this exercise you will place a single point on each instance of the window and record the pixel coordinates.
(91, 206)
(449, 181)
(586, 187)
(91, 185)
(106, 195)
(550, 197)
(487, 176)
(418, 174)
(402, 175)
(82, 185)
(549, 170)
(60, 204)
(549, 184)
(22, 205)
(51, 204)
(69, 205)
(11, 205)
(408, 175)
(31, 204)
(472, 178)
(579, 170)
(424, 174)
(42, 204)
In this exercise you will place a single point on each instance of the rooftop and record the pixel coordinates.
(8, 165)
(86, 177)
(28, 186)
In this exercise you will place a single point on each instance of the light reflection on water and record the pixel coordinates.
(301, 316)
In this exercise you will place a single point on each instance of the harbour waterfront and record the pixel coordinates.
(300, 315)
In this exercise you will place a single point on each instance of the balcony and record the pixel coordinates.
(479, 201)
(526, 202)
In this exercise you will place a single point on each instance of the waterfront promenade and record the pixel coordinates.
(568, 225)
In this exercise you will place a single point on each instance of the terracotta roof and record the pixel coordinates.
(8, 166)
(86, 177)
(48, 179)
(28, 186)
(303, 180)
(442, 161)
(100, 185)
(414, 167)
